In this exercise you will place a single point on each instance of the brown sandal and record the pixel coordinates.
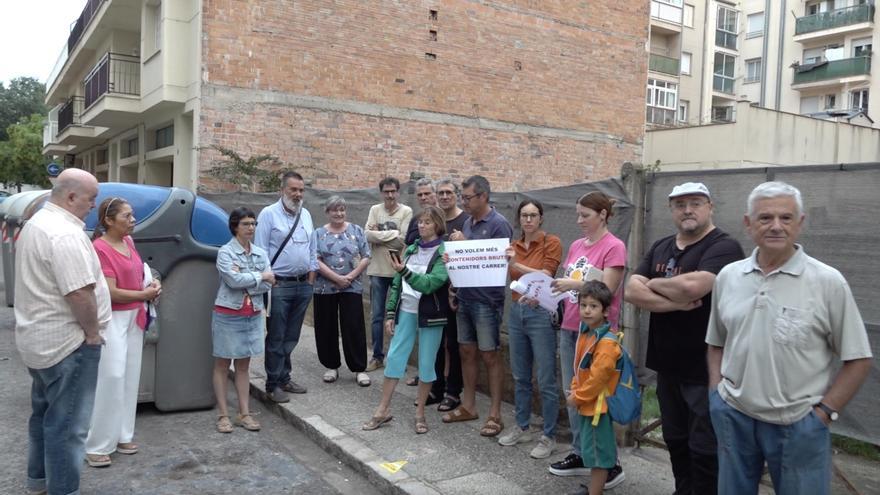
(459, 414)
(375, 422)
(421, 425)
(247, 422)
(493, 427)
(224, 425)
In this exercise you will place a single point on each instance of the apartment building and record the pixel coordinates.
(359, 89)
(805, 57)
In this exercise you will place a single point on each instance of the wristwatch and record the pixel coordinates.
(831, 413)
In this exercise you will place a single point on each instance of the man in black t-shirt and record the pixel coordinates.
(674, 282)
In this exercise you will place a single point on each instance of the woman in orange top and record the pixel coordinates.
(532, 338)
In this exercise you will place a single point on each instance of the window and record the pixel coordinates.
(688, 16)
(830, 101)
(686, 63)
(862, 47)
(683, 106)
(724, 70)
(859, 99)
(101, 157)
(152, 26)
(164, 137)
(755, 25)
(753, 70)
(725, 28)
(722, 114)
(129, 148)
(661, 101)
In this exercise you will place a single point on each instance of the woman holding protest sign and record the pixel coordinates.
(419, 308)
(601, 250)
(532, 338)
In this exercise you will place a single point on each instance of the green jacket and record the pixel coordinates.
(434, 304)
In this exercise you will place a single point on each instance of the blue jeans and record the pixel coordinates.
(479, 323)
(798, 455)
(378, 293)
(62, 397)
(567, 342)
(289, 303)
(532, 341)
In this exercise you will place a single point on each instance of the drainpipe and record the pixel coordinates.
(781, 50)
(707, 42)
(762, 100)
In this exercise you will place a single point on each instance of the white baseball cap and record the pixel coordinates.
(689, 188)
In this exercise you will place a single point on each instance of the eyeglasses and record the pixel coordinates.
(247, 224)
(529, 216)
(467, 198)
(692, 203)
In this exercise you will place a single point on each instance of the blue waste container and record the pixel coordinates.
(178, 234)
(16, 212)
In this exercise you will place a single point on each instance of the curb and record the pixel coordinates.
(347, 448)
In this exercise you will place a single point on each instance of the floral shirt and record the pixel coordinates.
(341, 252)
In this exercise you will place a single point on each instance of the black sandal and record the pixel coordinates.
(430, 401)
(448, 404)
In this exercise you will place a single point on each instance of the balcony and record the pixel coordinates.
(723, 84)
(112, 91)
(67, 133)
(69, 113)
(657, 116)
(663, 64)
(832, 72)
(839, 20)
(82, 22)
(666, 15)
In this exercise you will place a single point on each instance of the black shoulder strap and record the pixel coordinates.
(286, 239)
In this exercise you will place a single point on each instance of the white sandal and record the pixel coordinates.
(330, 376)
(363, 379)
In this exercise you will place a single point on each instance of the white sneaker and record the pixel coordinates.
(330, 376)
(545, 447)
(514, 436)
(362, 379)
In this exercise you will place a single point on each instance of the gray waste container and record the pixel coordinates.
(14, 220)
(178, 235)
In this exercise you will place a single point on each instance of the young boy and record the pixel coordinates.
(594, 372)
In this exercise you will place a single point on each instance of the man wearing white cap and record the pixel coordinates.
(674, 282)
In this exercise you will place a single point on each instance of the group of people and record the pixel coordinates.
(749, 365)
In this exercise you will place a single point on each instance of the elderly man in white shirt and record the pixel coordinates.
(779, 321)
(62, 307)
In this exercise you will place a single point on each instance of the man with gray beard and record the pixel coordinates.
(284, 230)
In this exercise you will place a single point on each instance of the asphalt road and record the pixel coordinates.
(180, 453)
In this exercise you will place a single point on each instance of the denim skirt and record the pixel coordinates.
(237, 337)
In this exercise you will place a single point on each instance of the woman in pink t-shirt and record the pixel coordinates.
(601, 249)
(112, 426)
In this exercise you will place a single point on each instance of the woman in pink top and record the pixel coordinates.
(601, 249)
(119, 371)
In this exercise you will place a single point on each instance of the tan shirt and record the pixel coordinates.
(781, 334)
(54, 257)
(390, 234)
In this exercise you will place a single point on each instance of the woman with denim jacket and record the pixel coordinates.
(238, 325)
(419, 308)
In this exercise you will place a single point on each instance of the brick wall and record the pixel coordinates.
(528, 93)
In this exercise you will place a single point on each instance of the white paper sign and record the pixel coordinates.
(479, 263)
(536, 285)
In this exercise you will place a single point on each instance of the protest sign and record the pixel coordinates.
(478, 263)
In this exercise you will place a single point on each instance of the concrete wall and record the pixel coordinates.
(512, 90)
(762, 137)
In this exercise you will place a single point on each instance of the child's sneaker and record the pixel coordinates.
(545, 447)
(615, 477)
(572, 465)
(514, 436)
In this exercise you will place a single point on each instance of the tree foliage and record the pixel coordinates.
(255, 174)
(23, 98)
(21, 157)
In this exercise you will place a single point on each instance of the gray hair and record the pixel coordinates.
(774, 189)
(449, 181)
(334, 202)
(424, 181)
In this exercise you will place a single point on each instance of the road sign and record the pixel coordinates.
(53, 169)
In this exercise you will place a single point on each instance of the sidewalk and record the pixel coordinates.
(450, 458)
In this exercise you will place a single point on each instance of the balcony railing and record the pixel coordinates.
(834, 18)
(50, 130)
(666, 12)
(69, 113)
(660, 63)
(79, 26)
(834, 69)
(659, 116)
(115, 73)
(725, 39)
(723, 84)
